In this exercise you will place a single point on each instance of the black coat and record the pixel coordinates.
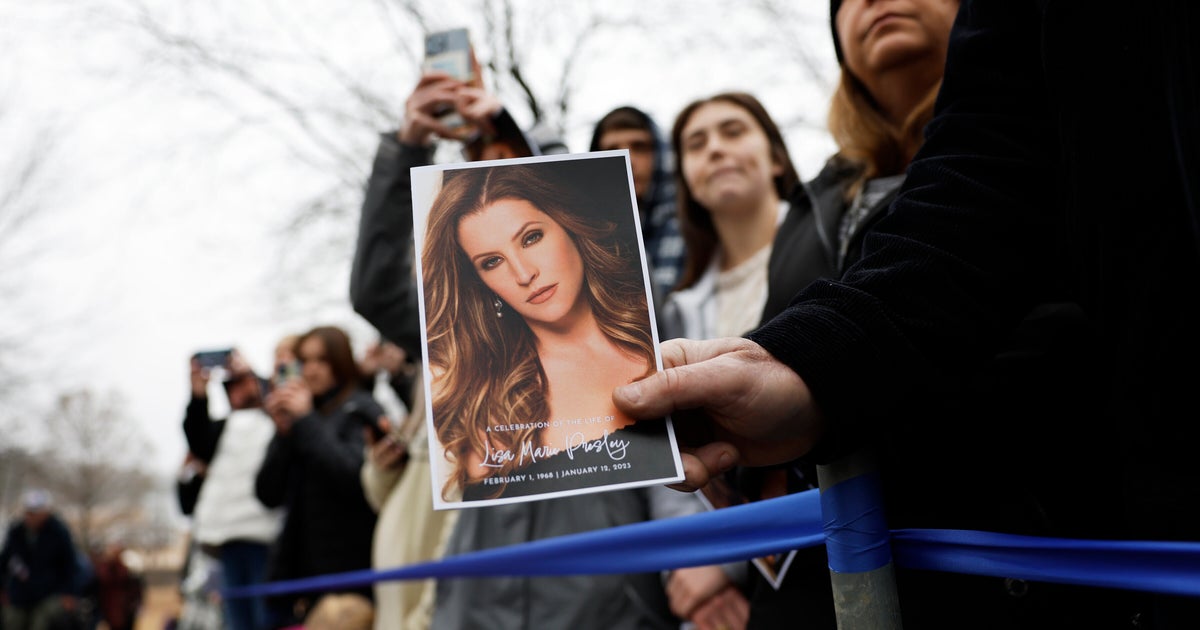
(35, 570)
(382, 286)
(1040, 182)
(313, 472)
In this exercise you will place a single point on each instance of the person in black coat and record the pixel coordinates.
(1023, 194)
(39, 569)
(312, 467)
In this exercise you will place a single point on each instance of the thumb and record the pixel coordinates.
(703, 464)
(692, 379)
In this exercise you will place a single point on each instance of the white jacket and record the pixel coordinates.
(227, 509)
(692, 312)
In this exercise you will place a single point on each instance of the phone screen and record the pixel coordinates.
(213, 358)
(285, 372)
(450, 52)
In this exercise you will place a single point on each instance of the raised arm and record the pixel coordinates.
(382, 287)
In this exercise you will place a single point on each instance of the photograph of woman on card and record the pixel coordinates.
(536, 308)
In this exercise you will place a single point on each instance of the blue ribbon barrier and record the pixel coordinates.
(1158, 567)
(734, 533)
(795, 522)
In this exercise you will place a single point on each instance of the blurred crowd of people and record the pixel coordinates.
(51, 583)
(948, 278)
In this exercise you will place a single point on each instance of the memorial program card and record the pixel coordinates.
(535, 304)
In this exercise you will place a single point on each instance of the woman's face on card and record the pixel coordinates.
(526, 258)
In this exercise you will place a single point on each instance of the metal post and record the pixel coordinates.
(859, 545)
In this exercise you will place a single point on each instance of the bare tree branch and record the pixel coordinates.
(25, 172)
(90, 440)
(17, 204)
(782, 16)
(515, 62)
(360, 94)
(408, 8)
(195, 52)
(595, 25)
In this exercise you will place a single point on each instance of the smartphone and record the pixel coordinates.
(449, 51)
(213, 358)
(285, 372)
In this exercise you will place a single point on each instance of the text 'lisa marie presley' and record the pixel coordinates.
(615, 448)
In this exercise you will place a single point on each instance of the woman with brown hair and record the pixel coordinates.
(734, 177)
(736, 184)
(312, 467)
(891, 56)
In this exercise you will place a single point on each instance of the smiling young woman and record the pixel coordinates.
(733, 178)
(756, 236)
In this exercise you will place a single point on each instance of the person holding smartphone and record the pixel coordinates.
(311, 468)
(383, 291)
(229, 523)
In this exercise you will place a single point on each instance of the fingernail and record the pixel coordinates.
(632, 392)
(725, 461)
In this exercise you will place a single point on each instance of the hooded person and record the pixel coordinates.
(39, 567)
(651, 160)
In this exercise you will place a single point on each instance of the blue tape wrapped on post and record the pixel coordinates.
(856, 529)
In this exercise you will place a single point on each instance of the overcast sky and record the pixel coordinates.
(164, 212)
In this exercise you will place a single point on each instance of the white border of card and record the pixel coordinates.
(577, 465)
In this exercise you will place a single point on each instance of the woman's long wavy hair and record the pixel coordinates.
(866, 139)
(340, 356)
(695, 221)
(486, 369)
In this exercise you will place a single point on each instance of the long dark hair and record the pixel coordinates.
(695, 221)
(486, 368)
(340, 356)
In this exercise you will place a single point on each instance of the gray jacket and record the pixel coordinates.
(575, 602)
